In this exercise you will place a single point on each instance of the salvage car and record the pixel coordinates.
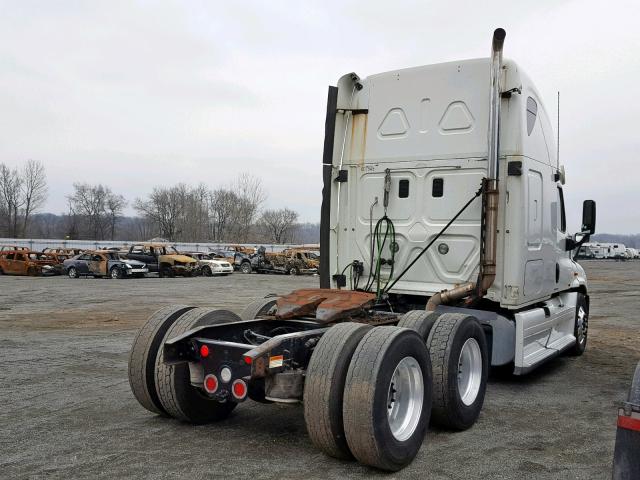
(59, 259)
(102, 263)
(164, 259)
(25, 262)
(209, 265)
(236, 259)
(310, 256)
(292, 262)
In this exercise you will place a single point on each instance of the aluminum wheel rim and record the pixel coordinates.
(469, 371)
(583, 325)
(72, 273)
(114, 273)
(405, 398)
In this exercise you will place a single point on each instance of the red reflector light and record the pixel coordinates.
(204, 351)
(248, 360)
(239, 389)
(210, 383)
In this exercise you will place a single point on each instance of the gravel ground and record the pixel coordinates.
(67, 411)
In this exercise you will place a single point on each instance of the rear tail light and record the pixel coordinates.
(239, 389)
(204, 351)
(210, 383)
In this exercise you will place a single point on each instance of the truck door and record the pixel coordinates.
(534, 268)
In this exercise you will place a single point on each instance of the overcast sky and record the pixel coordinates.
(136, 94)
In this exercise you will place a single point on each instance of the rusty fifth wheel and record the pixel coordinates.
(387, 398)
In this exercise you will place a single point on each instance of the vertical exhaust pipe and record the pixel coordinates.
(494, 105)
(487, 272)
(490, 198)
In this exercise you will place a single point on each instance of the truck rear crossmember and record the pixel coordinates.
(248, 351)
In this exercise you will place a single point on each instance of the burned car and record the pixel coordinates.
(58, 259)
(103, 263)
(292, 262)
(210, 265)
(164, 259)
(25, 262)
(238, 260)
(309, 255)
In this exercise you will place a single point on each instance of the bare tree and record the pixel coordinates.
(164, 208)
(115, 205)
(251, 196)
(279, 223)
(10, 198)
(222, 207)
(33, 189)
(98, 206)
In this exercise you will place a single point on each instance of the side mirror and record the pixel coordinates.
(589, 217)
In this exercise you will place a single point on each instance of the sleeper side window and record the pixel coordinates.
(532, 113)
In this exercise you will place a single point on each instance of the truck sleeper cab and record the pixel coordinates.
(444, 252)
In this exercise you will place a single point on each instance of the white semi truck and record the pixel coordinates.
(444, 252)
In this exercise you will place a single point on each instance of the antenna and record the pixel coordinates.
(558, 133)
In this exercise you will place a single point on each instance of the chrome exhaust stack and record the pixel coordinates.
(494, 105)
(487, 272)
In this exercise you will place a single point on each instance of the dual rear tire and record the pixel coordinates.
(371, 392)
(368, 394)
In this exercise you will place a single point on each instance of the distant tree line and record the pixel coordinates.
(183, 213)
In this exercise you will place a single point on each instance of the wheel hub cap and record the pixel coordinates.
(469, 371)
(405, 398)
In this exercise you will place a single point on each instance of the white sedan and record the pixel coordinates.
(210, 265)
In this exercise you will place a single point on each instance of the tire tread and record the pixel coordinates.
(145, 345)
(325, 380)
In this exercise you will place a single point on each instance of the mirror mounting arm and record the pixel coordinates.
(574, 244)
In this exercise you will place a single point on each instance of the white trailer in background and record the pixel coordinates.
(601, 250)
(618, 251)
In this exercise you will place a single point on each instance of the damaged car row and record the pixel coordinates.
(161, 258)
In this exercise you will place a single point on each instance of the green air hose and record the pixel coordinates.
(381, 234)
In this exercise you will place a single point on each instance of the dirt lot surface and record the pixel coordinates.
(67, 411)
